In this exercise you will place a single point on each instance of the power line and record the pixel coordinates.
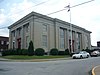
(4, 27)
(27, 8)
(31, 7)
(58, 10)
(81, 3)
(70, 7)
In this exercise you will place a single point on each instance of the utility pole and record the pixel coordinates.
(69, 10)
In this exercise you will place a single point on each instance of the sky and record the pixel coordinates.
(86, 16)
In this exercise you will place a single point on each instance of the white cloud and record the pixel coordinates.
(2, 18)
(4, 32)
(19, 10)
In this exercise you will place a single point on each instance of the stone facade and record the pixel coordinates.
(47, 33)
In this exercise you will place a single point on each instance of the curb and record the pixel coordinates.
(93, 70)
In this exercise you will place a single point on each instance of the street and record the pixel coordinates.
(59, 67)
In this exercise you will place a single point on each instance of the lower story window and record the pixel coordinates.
(44, 40)
(62, 38)
(27, 41)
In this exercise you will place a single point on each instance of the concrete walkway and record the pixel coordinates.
(96, 70)
(3, 59)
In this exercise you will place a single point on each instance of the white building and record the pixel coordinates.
(47, 33)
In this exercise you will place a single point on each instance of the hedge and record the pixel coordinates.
(54, 51)
(39, 52)
(15, 52)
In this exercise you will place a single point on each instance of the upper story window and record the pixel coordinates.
(44, 28)
(13, 33)
(19, 31)
(7, 43)
(27, 27)
(2, 42)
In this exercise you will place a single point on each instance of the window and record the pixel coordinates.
(27, 41)
(78, 40)
(13, 33)
(44, 28)
(7, 43)
(86, 41)
(62, 38)
(19, 31)
(44, 40)
(27, 27)
(13, 44)
(2, 42)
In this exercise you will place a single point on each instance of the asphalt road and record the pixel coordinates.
(59, 67)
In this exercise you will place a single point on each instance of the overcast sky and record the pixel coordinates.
(86, 16)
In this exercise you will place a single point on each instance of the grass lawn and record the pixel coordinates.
(18, 57)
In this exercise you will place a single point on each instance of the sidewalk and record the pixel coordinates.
(96, 70)
(2, 59)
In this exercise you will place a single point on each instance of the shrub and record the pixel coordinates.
(39, 52)
(61, 53)
(67, 52)
(54, 51)
(83, 50)
(18, 51)
(24, 52)
(8, 52)
(4, 53)
(30, 49)
(15, 52)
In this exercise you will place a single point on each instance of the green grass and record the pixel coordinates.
(33, 57)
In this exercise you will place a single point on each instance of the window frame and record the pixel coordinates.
(44, 41)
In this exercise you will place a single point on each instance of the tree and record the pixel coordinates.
(31, 49)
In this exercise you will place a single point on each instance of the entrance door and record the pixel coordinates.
(19, 43)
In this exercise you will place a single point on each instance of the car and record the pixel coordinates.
(81, 54)
(95, 53)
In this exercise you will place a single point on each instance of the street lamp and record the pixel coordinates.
(70, 41)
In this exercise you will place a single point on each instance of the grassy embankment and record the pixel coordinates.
(18, 57)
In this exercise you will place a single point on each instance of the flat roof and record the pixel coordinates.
(45, 17)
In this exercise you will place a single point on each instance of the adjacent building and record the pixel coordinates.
(96, 47)
(47, 33)
(4, 42)
(98, 43)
